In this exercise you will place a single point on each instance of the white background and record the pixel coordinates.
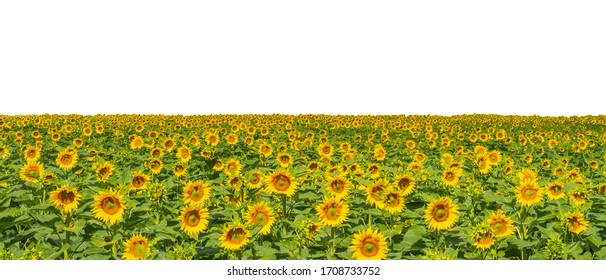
(293, 57)
(296, 57)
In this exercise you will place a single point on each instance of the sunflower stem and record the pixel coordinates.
(67, 235)
(332, 243)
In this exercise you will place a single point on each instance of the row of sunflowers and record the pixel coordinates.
(302, 187)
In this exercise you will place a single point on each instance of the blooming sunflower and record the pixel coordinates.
(483, 238)
(255, 180)
(234, 237)
(576, 223)
(33, 171)
(441, 214)
(332, 212)
(232, 167)
(376, 191)
(393, 201)
(529, 193)
(232, 139)
(451, 176)
(136, 248)
(406, 184)
(179, 169)
(109, 207)
(261, 215)
(218, 166)
(501, 224)
(184, 154)
(284, 159)
(67, 159)
(379, 153)
(196, 192)
(554, 191)
(578, 197)
(527, 174)
(31, 153)
(369, 245)
(325, 150)
(280, 181)
(212, 139)
(65, 199)
(194, 219)
(338, 186)
(136, 143)
(139, 181)
(104, 171)
(155, 166)
(265, 149)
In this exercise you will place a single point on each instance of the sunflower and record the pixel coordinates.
(376, 191)
(338, 186)
(379, 153)
(325, 150)
(109, 207)
(67, 159)
(451, 176)
(576, 223)
(136, 143)
(179, 169)
(280, 181)
(482, 163)
(393, 201)
(554, 191)
(234, 182)
(168, 144)
(373, 170)
(136, 248)
(501, 224)
(311, 229)
(441, 214)
(234, 237)
(578, 197)
(527, 174)
(406, 184)
(212, 139)
(265, 150)
(139, 181)
(4, 152)
(332, 212)
(369, 245)
(284, 159)
(184, 154)
(65, 199)
(262, 216)
(156, 152)
(232, 167)
(218, 166)
(104, 171)
(483, 238)
(255, 180)
(31, 153)
(194, 219)
(529, 193)
(232, 139)
(196, 192)
(32, 171)
(156, 166)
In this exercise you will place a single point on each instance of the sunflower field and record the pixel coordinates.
(302, 187)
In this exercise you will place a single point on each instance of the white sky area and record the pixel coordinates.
(300, 57)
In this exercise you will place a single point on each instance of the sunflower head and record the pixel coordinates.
(529, 193)
(234, 237)
(262, 216)
(194, 219)
(483, 237)
(576, 223)
(65, 199)
(196, 192)
(232, 167)
(500, 224)
(136, 248)
(393, 201)
(184, 154)
(109, 207)
(338, 186)
(369, 245)
(282, 182)
(405, 183)
(332, 212)
(441, 214)
(139, 181)
(33, 171)
(555, 191)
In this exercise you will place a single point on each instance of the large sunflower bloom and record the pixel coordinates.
(196, 192)
(109, 207)
(529, 193)
(194, 219)
(332, 212)
(369, 245)
(136, 248)
(281, 182)
(261, 215)
(501, 225)
(441, 214)
(234, 237)
(576, 223)
(65, 199)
